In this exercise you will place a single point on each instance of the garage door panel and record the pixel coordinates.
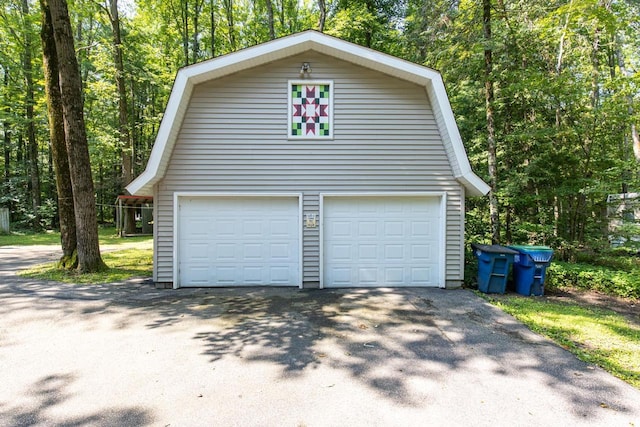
(421, 253)
(420, 275)
(421, 228)
(368, 275)
(341, 228)
(199, 250)
(223, 229)
(394, 230)
(253, 252)
(368, 252)
(366, 229)
(341, 253)
(381, 241)
(227, 241)
(394, 276)
(223, 252)
(253, 228)
(280, 229)
(394, 253)
(199, 272)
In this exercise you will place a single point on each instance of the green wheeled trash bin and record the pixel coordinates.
(530, 268)
(494, 262)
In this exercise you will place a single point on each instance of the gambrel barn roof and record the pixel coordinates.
(190, 76)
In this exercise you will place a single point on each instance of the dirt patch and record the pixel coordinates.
(628, 308)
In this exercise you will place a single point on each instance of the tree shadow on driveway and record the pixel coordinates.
(51, 391)
(409, 346)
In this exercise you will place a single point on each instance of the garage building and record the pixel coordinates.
(308, 161)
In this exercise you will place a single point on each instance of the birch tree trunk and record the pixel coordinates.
(491, 139)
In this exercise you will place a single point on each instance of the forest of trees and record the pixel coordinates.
(546, 94)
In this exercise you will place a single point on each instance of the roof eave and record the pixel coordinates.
(474, 185)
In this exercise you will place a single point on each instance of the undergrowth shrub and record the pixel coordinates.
(607, 278)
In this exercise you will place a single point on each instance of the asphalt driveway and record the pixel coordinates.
(128, 354)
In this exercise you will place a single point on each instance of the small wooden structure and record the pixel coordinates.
(142, 207)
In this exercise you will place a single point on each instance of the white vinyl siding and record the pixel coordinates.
(234, 139)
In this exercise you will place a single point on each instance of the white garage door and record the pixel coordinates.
(382, 241)
(238, 241)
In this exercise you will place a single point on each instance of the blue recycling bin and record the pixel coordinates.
(494, 262)
(530, 268)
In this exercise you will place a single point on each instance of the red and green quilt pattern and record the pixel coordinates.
(310, 110)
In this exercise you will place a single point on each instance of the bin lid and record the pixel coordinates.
(537, 253)
(493, 249)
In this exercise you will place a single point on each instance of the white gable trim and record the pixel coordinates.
(284, 47)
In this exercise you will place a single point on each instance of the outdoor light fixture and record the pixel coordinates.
(305, 69)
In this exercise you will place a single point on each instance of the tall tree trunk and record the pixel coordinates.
(89, 259)
(58, 145)
(195, 51)
(228, 6)
(182, 22)
(322, 5)
(272, 30)
(32, 143)
(123, 121)
(491, 139)
(558, 113)
(212, 16)
(368, 32)
(7, 131)
(184, 4)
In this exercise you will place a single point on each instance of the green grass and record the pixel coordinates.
(16, 238)
(595, 335)
(107, 236)
(123, 264)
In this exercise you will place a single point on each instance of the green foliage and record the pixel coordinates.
(608, 278)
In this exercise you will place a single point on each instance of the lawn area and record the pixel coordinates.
(123, 264)
(107, 236)
(132, 257)
(594, 334)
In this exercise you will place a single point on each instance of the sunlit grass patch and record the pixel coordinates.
(20, 238)
(106, 235)
(124, 264)
(596, 335)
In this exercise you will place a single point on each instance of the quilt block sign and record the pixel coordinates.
(310, 109)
